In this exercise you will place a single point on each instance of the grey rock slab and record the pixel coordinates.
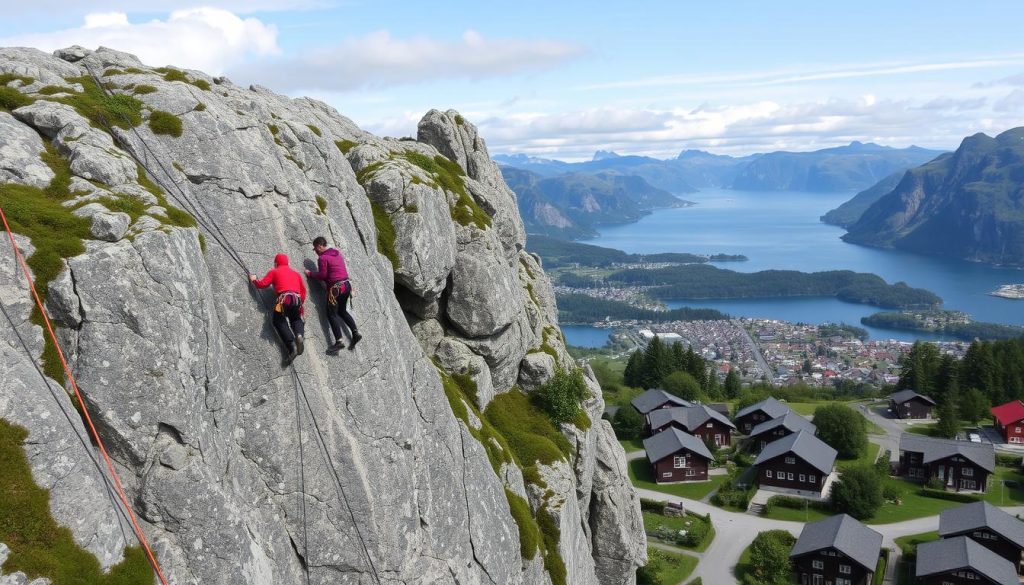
(484, 297)
(536, 369)
(110, 227)
(20, 150)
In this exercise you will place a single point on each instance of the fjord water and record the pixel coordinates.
(781, 230)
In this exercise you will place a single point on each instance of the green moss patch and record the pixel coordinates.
(345, 145)
(6, 78)
(161, 122)
(175, 75)
(529, 530)
(201, 84)
(12, 99)
(200, 107)
(175, 216)
(39, 546)
(459, 120)
(385, 234)
(530, 433)
(321, 204)
(54, 89)
(448, 175)
(314, 129)
(462, 401)
(144, 89)
(120, 110)
(553, 562)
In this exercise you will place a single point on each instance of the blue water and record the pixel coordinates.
(586, 335)
(781, 230)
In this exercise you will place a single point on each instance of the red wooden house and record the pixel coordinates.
(1009, 420)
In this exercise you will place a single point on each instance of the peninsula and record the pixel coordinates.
(1010, 291)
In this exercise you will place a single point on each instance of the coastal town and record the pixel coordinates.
(782, 352)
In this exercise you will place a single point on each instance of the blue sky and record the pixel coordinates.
(563, 79)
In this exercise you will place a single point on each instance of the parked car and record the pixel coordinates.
(974, 437)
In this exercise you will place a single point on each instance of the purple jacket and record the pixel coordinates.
(331, 267)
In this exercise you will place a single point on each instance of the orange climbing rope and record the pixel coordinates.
(85, 412)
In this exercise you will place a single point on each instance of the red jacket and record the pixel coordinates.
(283, 278)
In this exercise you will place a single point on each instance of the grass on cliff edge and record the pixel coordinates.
(39, 546)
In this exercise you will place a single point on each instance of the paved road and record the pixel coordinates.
(735, 531)
(761, 363)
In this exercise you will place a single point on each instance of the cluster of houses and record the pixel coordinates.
(684, 436)
(978, 544)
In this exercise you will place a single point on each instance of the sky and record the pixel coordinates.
(565, 79)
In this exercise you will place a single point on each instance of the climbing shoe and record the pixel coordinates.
(299, 345)
(334, 349)
(355, 339)
(292, 354)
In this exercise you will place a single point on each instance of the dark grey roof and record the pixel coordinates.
(690, 417)
(654, 398)
(720, 407)
(791, 420)
(805, 446)
(772, 407)
(905, 395)
(844, 534)
(981, 514)
(981, 454)
(672, 440)
(952, 554)
(611, 411)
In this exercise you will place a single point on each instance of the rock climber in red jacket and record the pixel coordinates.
(288, 308)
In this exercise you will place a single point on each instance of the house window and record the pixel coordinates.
(691, 472)
(718, 440)
(768, 473)
(790, 460)
(811, 478)
(789, 476)
(709, 425)
(1016, 429)
(818, 564)
(967, 472)
(802, 478)
(817, 580)
(844, 569)
(666, 474)
(968, 484)
(841, 581)
(679, 461)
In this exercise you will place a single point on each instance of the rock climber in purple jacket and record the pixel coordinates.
(331, 269)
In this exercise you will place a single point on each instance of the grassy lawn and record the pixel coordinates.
(867, 458)
(669, 567)
(999, 495)
(653, 520)
(880, 566)
(908, 544)
(874, 429)
(629, 445)
(805, 408)
(640, 475)
(912, 506)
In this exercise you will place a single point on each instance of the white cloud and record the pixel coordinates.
(210, 39)
(378, 60)
(1012, 102)
(143, 6)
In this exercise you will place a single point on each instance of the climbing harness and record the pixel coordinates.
(337, 289)
(204, 219)
(286, 299)
(85, 411)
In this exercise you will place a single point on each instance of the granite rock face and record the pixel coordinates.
(352, 467)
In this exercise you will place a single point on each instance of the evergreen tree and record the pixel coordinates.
(657, 364)
(979, 370)
(633, 374)
(973, 406)
(732, 384)
(948, 377)
(628, 423)
(713, 389)
(949, 419)
(679, 361)
(919, 368)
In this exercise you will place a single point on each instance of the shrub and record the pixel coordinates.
(696, 532)
(951, 496)
(858, 492)
(560, 397)
(649, 505)
(769, 557)
(1007, 460)
(161, 122)
(891, 493)
(628, 423)
(842, 428)
(39, 546)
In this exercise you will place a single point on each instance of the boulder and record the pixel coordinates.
(110, 227)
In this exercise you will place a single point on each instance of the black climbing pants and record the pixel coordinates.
(337, 310)
(287, 321)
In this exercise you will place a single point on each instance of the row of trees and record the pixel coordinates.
(679, 371)
(990, 373)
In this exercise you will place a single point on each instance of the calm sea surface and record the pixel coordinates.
(781, 230)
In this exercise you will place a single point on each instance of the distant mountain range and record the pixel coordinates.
(570, 205)
(966, 204)
(845, 168)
